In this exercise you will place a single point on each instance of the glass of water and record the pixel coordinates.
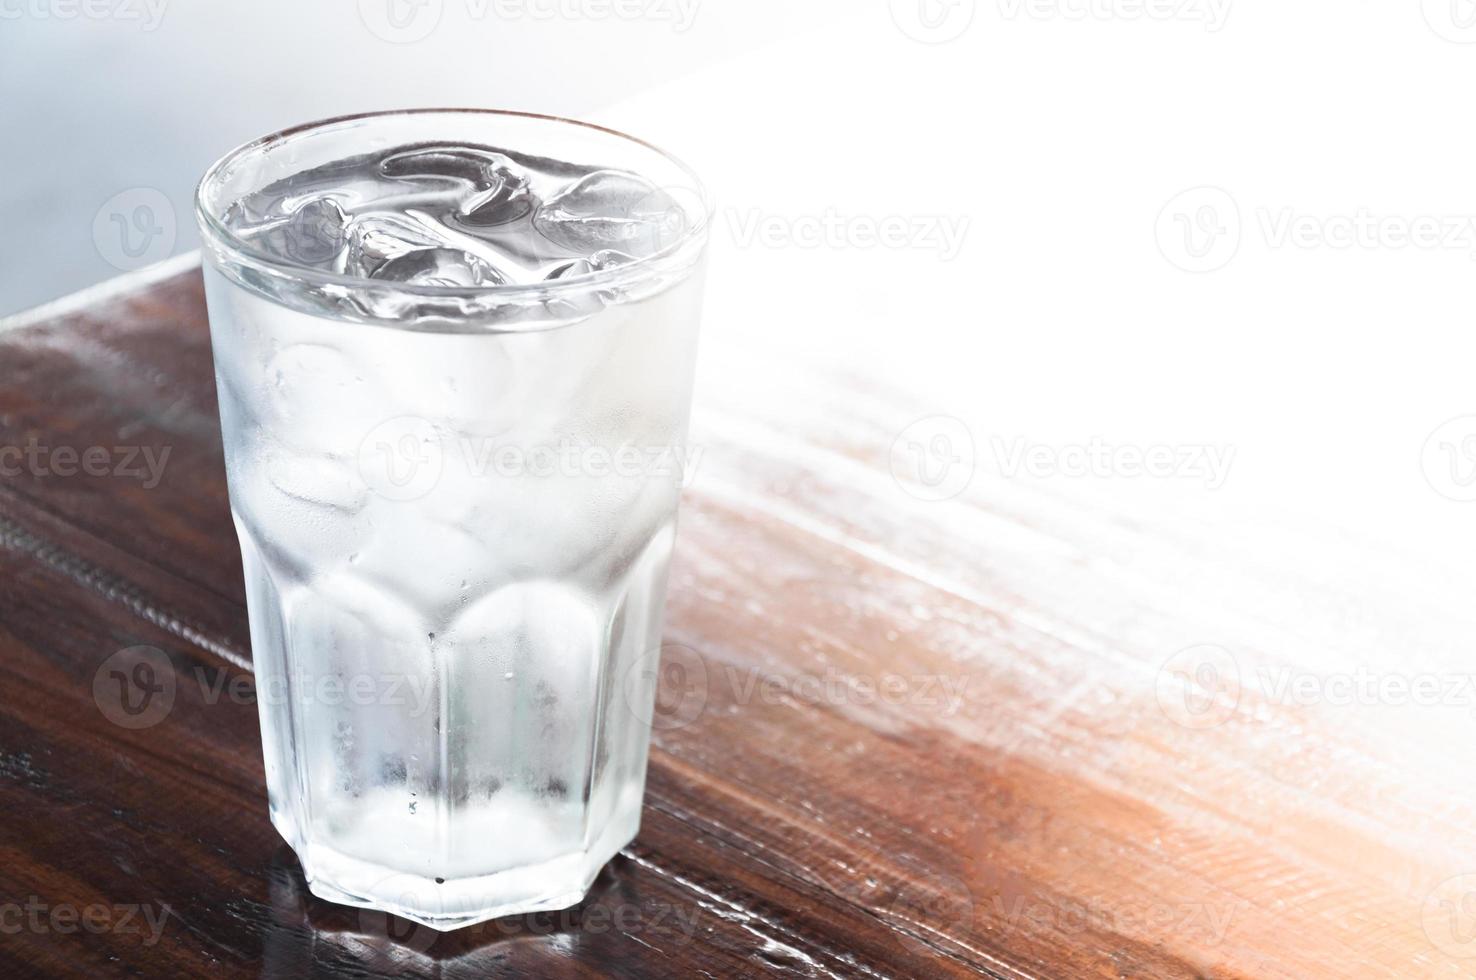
(454, 354)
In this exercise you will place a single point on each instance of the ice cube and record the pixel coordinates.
(377, 237)
(467, 164)
(510, 200)
(324, 481)
(500, 191)
(439, 267)
(610, 209)
(606, 259)
(315, 232)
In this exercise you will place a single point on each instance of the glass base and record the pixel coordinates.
(444, 905)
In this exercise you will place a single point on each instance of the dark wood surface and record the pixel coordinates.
(901, 739)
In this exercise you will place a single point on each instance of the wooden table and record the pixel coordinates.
(900, 736)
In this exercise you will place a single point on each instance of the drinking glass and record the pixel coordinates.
(455, 493)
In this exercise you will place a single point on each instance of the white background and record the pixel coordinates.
(1063, 135)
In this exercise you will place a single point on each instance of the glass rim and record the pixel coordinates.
(221, 238)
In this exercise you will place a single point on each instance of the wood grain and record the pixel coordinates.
(898, 737)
